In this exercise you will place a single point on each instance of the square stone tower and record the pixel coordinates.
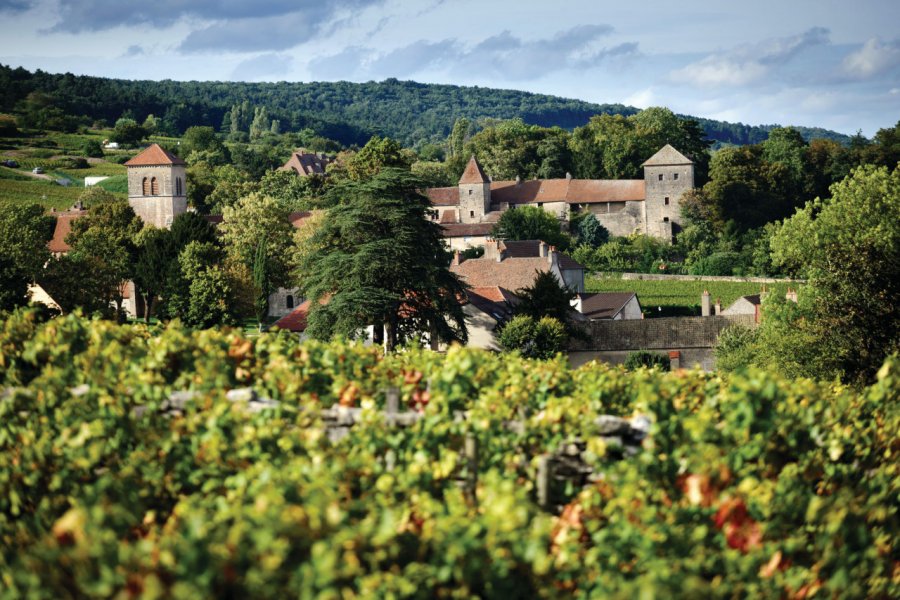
(157, 186)
(474, 193)
(667, 175)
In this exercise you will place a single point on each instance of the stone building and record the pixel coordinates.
(157, 189)
(305, 163)
(649, 206)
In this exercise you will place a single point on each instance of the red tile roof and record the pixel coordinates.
(297, 218)
(572, 191)
(473, 173)
(452, 230)
(494, 301)
(154, 155)
(532, 249)
(296, 319)
(57, 243)
(443, 196)
(305, 163)
(511, 274)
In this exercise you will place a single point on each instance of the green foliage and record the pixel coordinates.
(750, 486)
(202, 144)
(92, 148)
(256, 220)
(736, 348)
(380, 261)
(511, 149)
(24, 232)
(96, 195)
(540, 338)
(378, 154)
(588, 230)
(646, 359)
(293, 192)
(635, 253)
(547, 297)
(128, 133)
(530, 223)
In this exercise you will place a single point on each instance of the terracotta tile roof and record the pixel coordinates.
(473, 173)
(572, 191)
(297, 218)
(443, 196)
(452, 230)
(532, 249)
(667, 155)
(511, 274)
(448, 217)
(57, 243)
(492, 217)
(296, 319)
(493, 301)
(604, 305)
(306, 163)
(154, 155)
(214, 219)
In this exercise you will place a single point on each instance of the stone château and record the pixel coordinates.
(651, 206)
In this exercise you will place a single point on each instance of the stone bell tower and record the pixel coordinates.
(474, 193)
(157, 189)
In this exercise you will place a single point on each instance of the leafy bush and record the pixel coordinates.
(748, 486)
(645, 358)
(534, 338)
(92, 148)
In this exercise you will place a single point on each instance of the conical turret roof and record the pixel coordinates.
(473, 173)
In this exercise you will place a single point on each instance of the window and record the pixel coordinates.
(289, 301)
(675, 176)
(540, 204)
(665, 219)
(470, 192)
(660, 176)
(178, 186)
(154, 187)
(667, 201)
(472, 213)
(145, 187)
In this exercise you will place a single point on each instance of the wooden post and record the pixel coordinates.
(392, 397)
(471, 451)
(543, 481)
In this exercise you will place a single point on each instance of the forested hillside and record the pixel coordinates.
(350, 113)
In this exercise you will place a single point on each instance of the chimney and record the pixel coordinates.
(791, 295)
(704, 304)
(568, 176)
(542, 249)
(457, 258)
(492, 250)
(553, 257)
(576, 303)
(718, 306)
(674, 360)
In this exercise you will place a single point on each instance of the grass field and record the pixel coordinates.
(679, 297)
(45, 193)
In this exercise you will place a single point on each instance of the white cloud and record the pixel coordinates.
(748, 63)
(874, 58)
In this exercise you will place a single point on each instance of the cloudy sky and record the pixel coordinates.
(829, 63)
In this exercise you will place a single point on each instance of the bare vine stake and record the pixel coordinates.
(471, 451)
(543, 481)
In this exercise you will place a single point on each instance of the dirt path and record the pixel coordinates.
(43, 176)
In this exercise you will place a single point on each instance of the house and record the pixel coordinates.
(485, 308)
(650, 205)
(745, 305)
(63, 226)
(517, 268)
(616, 306)
(305, 163)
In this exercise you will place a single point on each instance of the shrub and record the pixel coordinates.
(92, 148)
(542, 338)
(645, 358)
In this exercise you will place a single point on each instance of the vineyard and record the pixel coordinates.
(133, 463)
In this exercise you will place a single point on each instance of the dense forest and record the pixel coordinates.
(349, 113)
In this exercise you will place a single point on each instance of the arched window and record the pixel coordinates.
(178, 186)
(289, 301)
(145, 187)
(154, 187)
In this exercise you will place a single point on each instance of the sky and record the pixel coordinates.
(825, 63)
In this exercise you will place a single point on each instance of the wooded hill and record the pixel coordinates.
(350, 113)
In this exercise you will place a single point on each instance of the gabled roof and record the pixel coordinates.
(604, 305)
(443, 196)
(667, 156)
(154, 155)
(452, 230)
(61, 229)
(305, 163)
(572, 191)
(532, 249)
(511, 273)
(473, 173)
(296, 319)
(494, 301)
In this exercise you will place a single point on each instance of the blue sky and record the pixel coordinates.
(828, 63)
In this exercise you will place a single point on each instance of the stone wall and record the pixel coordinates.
(671, 333)
(661, 277)
(621, 222)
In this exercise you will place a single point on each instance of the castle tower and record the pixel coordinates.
(474, 193)
(157, 189)
(667, 175)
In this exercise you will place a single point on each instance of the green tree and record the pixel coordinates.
(588, 230)
(541, 338)
(152, 265)
(530, 223)
(151, 124)
(24, 232)
(202, 143)
(128, 133)
(646, 359)
(92, 149)
(547, 297)
(378, 154)
(208, 299)
(262, 281)
(380, 261)
(261, 123)
(849, 248)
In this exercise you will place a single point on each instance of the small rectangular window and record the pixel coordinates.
(540, 204)
(667, 200)
(470, 192)
(665, 219)
(472, 213)
(675, 176)
(660, 176)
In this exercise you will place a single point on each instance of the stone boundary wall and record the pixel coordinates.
(665, 277)
(658, 334)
